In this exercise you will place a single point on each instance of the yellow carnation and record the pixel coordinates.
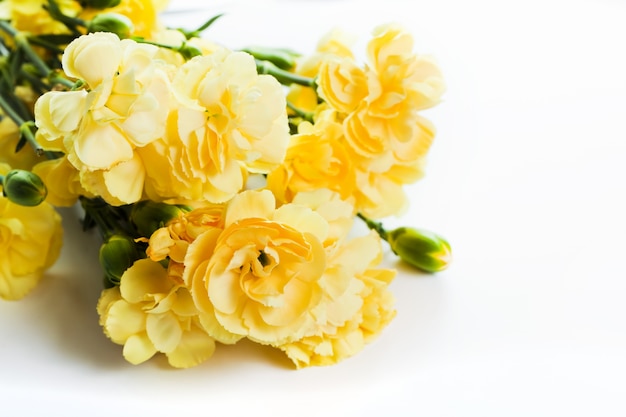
(261, 279)
(356, 305)
(316, 158)
(151, 312)
(30, 242)
(101, 128)
(383, 165)
(230, 121)
(335, 44)
(173, 240)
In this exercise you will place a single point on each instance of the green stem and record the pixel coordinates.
(21, 40)
(36, 82)
(196, 33)
(27, 132)
(72, 23)
(374, 225)
(25, 126)
(284, 77)
(36, 40)
(3, 50)
(308, 116)
(6, 27)
(56, 79)
(160, 45)
(10, 111)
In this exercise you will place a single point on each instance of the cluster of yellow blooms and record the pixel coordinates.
(189, 128)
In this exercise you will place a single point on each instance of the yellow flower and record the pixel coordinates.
(261, 279)
(383, 165)
(316, 158)
(335, 44)
(230, 121)
(100, 129)
(30, 242)
(150, 312)
(356, 305)
(30, 15)
(399, 84)
(173, 240)
(401, 76)
(121, 184)
(342, 84)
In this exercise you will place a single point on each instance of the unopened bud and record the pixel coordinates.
(24, 188)
(116, 255)
(423, 249)
(100, 4)
(116, 23)
(148, 216)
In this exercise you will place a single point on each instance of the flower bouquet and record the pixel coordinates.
(224, 183)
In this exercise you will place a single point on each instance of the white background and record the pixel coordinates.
(526, 180)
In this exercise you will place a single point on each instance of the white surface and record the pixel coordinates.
(526, 180)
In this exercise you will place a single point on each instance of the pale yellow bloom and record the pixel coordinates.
(229, 121)
(30, 242)
(100, 129)
(316, 158)
(151, 312)
(386, 136)
(173, 242)
(384, 166)
(261, 279)
(121, 184)
(30, 15)
(399, 84)
(356, 305)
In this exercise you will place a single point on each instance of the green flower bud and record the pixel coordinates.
(24, 188)
(117, 254)
(148, 216)
(100, 4)
(423, 249)
(283, 58)
(116, 23)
